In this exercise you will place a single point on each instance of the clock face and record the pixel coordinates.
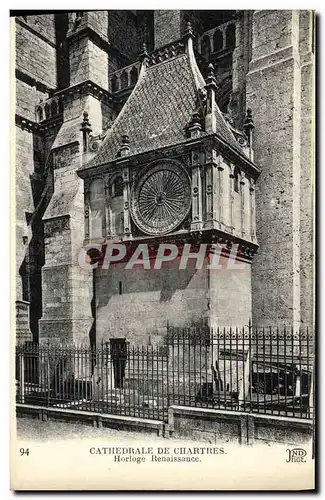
(161, 198)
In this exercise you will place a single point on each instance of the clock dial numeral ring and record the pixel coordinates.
(160, 199)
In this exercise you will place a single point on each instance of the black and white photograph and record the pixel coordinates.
(163, 268)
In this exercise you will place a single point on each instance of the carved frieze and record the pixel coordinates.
(56, 226)
(65, 156)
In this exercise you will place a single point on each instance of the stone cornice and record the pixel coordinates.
(86, 87)
(166, 52)
(279, 56)
(35, 32)
(30, 80)
(211, 140)
(26, 124)
(47, 125)
(38, 128)
(246, 249)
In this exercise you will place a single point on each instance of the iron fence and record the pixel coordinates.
(268, 371)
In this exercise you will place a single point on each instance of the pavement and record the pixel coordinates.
(34, 429)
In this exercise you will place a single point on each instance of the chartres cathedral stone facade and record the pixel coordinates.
(186, 128)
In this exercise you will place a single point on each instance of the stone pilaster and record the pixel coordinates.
(243, 209)
(274, 94)
(252, 209)
(231, 196)
(67, 288)
(196, 192)
(221, 191)
(87, 208)
(307, 177)
(126, 202)
(212, 190)
(241, 56)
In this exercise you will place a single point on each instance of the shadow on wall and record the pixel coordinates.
(119, 281)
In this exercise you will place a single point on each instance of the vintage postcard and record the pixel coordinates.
(163, 234)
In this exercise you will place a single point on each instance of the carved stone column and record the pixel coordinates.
(220, 194)
(252, 211)
(211, 189)
(196, 192)
(87, 208)
(107, 204)
(242, 204)
(231, 195)
(126, 202)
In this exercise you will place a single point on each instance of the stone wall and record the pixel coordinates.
(35, 76)
(35, 56)
(88, 62)
(27, 98)
(148, 300)
(42, 24)
(230, 295)
(23, 196)
(274, 94)
(122, 33)
(307, 178)
(138, 303)
(215, 426)
(167, 26)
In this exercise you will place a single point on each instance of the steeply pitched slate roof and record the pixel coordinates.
(157, 112)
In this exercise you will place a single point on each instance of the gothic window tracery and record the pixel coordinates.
(124, 80)
(205, 47)
(47, 111)
(236, 180)
(114, 85)
(217, 41)
(134, 75)
(97, 208)
(231, 36)
(116, 206)
(39, 113)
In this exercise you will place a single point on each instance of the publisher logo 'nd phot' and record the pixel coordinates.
(296, 455)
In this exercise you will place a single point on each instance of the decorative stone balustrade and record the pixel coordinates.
(124, 78)
(217, 39)
(166, 52)
(51, 108)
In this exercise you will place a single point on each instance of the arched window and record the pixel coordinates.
(205, 47)
(54, 108)
(47, 111)
(117, 187)
(237, 180)
(116, 206)
(97, 208)
(217, 41)
(124, 80)
(231, 36)
(39, 113)
(134, 75)
(60, 105)
(114, 86)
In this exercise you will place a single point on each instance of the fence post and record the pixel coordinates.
(311, 393)
(48, 372)
(245, 386)
(22, 377)
(244, 389)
